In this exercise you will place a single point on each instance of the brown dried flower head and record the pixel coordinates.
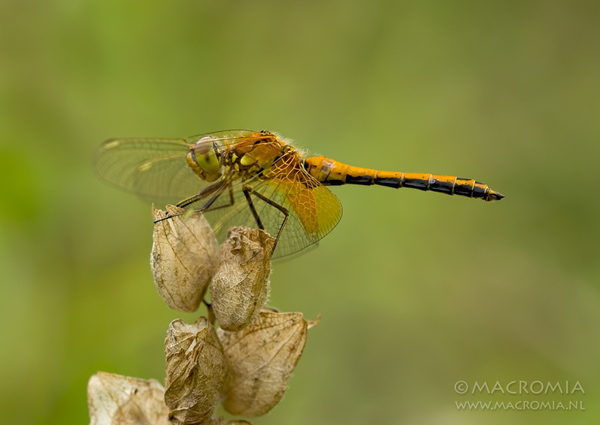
(182, 258)
(240, 285)
(261, 359)
(120, 400)
(195, 371)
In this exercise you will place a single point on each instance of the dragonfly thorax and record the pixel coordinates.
(203, 158)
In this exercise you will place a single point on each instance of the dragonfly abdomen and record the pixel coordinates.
(331, 172)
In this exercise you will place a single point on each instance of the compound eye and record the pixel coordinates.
(207, 158)
(203, 146)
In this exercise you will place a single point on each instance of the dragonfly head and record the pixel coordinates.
(204, 159)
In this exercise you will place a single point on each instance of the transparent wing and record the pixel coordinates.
(152, 168)
(156, 168)
(313, 213)
(313, 209)
(225, 137)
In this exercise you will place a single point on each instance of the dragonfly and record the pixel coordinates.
(256, 179)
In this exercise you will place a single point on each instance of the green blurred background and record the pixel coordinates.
(416, 290)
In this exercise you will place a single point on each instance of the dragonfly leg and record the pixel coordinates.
(247, 193)
(207, 207)
(216, 190)
(168, 216)
(285, 212)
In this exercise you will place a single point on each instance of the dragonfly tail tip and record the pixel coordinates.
(496, 196)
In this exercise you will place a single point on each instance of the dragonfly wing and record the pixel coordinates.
(225, 137)
(152, 168)
(313, 211)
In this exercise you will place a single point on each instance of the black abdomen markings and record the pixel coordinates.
(331, 172)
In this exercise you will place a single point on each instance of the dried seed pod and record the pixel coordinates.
(121, 400)
(195, 371)
(261, 359)
(240, 285)
(182, 258)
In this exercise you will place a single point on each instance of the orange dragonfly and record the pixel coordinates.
(256, 179)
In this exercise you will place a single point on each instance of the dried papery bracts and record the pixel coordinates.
(183, 257)
(195, 369)
(247, 363)
(261, 359)
(121, 400)
(240, 285)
